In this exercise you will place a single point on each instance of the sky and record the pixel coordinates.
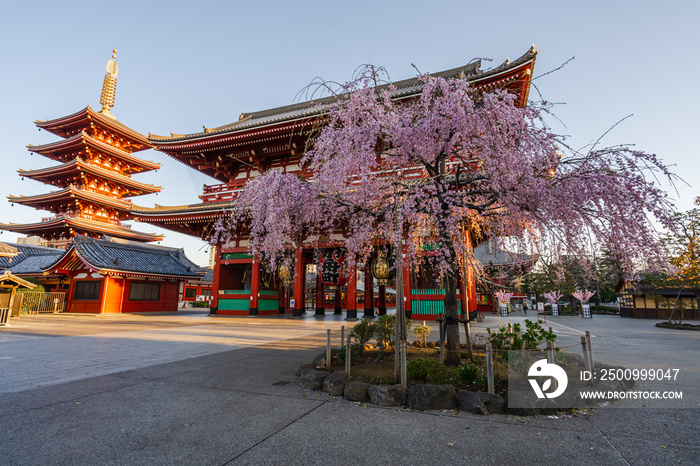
(185, 64)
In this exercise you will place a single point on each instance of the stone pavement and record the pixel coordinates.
(195, 389)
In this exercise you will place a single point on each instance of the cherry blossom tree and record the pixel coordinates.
(503, 296)
(583, 295)
(553, 296)
(436, 173)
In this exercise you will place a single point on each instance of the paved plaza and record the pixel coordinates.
(195, 389)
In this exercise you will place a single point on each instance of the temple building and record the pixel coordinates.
(116, 276)
(275, 139)
(93, 176)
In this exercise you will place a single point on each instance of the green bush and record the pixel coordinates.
(431, 371)
(422, 332)
(385, 329)
(38, 288)
(530, 339)
(468, 372)
(363, 332)
(355, 352)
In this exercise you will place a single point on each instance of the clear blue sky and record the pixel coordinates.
(183, 65)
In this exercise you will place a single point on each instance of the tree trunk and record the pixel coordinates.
(452, 353)
(675, 305)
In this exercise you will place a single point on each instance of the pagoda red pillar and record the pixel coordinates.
(255, 288)
(352, 294)
(320, 297)
(369, 291)
(299, 269)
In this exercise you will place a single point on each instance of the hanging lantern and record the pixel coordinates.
(285, 273)
(332, 269)
(381, 269)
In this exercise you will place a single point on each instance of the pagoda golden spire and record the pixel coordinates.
(109, 86)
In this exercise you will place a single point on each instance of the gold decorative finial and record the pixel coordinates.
(109, 86)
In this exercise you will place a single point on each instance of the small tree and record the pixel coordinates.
(553, 296)
(685, 263)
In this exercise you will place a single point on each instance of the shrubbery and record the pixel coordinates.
(431, 371)
(383, 330)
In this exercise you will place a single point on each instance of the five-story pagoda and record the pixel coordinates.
(94, 176)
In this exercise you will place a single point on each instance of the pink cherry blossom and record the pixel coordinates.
(426, 172)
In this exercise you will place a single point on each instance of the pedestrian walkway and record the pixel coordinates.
(30, 361)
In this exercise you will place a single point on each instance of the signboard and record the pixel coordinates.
(586, 314)
(555, 309)
(540, 310)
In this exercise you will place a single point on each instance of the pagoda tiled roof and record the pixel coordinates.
(38, 200)
(305, 110)
(78, 165)
(52, 150)
(83, 118)
(112, 256)
(61, 224)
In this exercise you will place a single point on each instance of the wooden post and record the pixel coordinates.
(550, 352)
(586, 359)
(589, 346)
(489, 367)
(342, 336)
(348, 352)
(404, 378)
(550, 359)
(328, 349)
(468, 333)
(442, 338)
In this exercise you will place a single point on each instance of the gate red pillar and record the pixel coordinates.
(381, 307)
(352, 294)
(320, 297)
(299, 270)
(255, 288)
(369, 291)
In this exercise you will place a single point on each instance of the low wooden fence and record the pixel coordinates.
(41, 302)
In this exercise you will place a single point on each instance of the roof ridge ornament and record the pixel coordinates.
(109, 86)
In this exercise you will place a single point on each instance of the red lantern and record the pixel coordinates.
(332, 268)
